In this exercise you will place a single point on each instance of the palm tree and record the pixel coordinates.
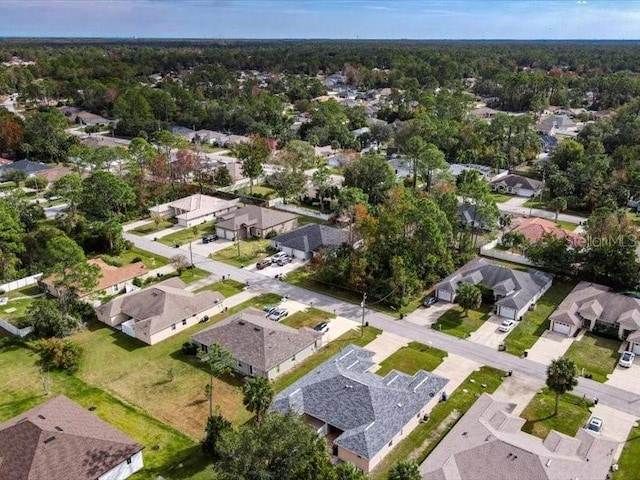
(404, 470)
(220, 361)
(348, 471)
(257, 396)
(561, 378)
(468, 296)
(559, 204)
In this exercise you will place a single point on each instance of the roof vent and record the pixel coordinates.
(59, 428)
(50, 439)
(42, 417)
(399, 405)
(241, 322)
(257, 329)
(548, 463)
(465, 434)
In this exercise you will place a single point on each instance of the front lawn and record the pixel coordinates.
(501, 197)
(426, 436)
(165, 447)
(595, 355)
(456, 323)
(228, 287)
(307, 318)
(150, 260)
(249, 251)
(535, 322)
(151, 227)
(189, 234)
(415, 356)
(351, 337)
(629, 461)
(573, 413)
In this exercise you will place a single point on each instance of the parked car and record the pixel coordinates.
(429, 300)
(268, 309)
(278, 314)
(209, 238)
(284, 260)
(322, 327)
(264, 263)
(278, 256)
(626, 359)
(595, 424)
(507, 325)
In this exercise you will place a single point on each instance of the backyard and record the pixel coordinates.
(594, 355)
(307, 318)
(415, 356)
(456, 323)
(573, 413)
(188, 235)
(244, 253)
(258, 191)
(535, 322)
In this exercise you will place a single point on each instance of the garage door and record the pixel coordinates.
(561, 328)
(507, 312)
(635, 348)
(444, 295)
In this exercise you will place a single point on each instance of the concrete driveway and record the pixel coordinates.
(428, 316)
(488, 334)
(206, 249)
(456, 369)
(385, 345)
(616, 424)
(626, 378)
(273, 270)
(519, 390)
(550, 346)
(338, 326)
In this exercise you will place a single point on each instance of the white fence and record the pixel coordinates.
(22, 282)
(13, 330)
(277, 203)
(489, 250)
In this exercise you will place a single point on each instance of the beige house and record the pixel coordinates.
(254, 222)
(261, 347)
(111, 279)
(195, 209)
(159, 312)
(362, 415)
(487, 443)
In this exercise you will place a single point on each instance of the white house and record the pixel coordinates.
(517, 185)
(195, 209)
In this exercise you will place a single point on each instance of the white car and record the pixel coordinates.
(277, 314)
(279, 256)
(626, 359)
(507, 325)
(595, 424)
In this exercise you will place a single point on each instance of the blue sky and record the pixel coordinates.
(377, 19)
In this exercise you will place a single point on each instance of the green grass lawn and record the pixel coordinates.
(165, 447)
(29, 291)
(596, 355)
(566, 225)
(150, 260)
(189, 234)
(455, 323)
(304, 220)
(151, 227)
(351, 337)
(251, 251)
(426, 436)
(501, 197)
(191, 275)
(266, 192)
(629, 461)
(228, 287)
(415, 356)
(573, 413)
(307, 318)
(534, 323)
(19, 316)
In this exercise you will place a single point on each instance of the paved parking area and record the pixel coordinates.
(550, 346)
(519, 390)
(206, 249)
(385, 345)
(488, 334)
(626, 378)
(273, 270)
(616, 424)
(428, 316)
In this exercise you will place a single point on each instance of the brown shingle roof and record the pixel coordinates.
(59, 440)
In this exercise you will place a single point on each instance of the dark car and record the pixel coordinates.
(322, 327)
(209, 238)
(264, 263)
(429, 300)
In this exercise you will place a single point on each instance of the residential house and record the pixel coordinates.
(60, 440)
(514, 291)
(54, 174)
(456, 169)
(158, 312)
(473, 217)
(254, 222)
(362, 415)
(303, 242)
(596, 308)
(111, 279)
(88, 118)
(261, 347)
(556, 124)
(518, 185)
(195, 209)
(488, 443)
(5, 161)
(186, 133)
(484, 112)
(27, 166)
(534, 229)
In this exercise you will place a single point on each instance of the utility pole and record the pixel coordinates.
(191, 253)
(362, 304)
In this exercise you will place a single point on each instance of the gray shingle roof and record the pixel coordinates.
(525, 285)
(252, 215)
(26, 166)
(312, 237)
(369, 409)
(518, 181)
(256, 340)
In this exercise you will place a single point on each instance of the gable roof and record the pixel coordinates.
(26, 166)
(256, 340)
(60, 440)
(195, 206)
(487, 443)
(158, 307)
(598, 301)
(520, 286)
(311, 237)
(535, 228)
(254, 216)
(518, 181)
(369, 409)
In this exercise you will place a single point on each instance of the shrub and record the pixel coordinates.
(59, 354)
(47, 320)
(83, 311)
(190, 348)
(113, 261)
(137, 282)
(136, 259)
(271, 234)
